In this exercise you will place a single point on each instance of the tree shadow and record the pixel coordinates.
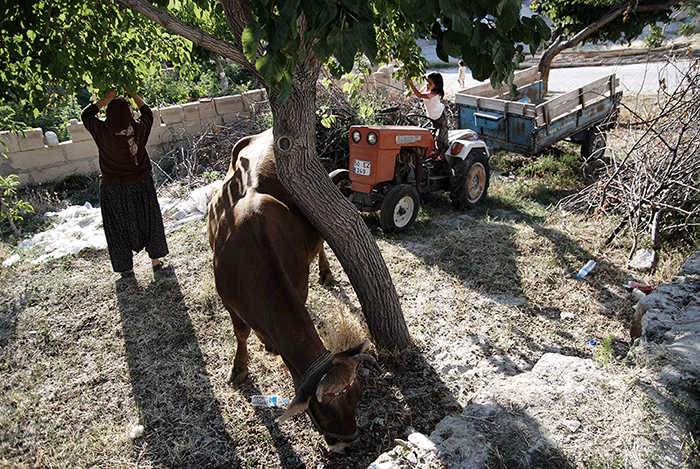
(478, 253)
(497, 435)
(171, 389)
(10, 310)
(408, 396)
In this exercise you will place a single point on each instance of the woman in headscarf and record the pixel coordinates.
(130, 212)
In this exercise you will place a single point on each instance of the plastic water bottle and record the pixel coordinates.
(268, 401)
(586, 269)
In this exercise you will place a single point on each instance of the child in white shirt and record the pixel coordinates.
(431, 94)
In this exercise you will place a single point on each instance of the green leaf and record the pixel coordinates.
(278, 32)
(509, 15)
(367, 35)
(322, 51)
(287, 12)
(502, 53)
(352, 5)
(423, 10)
(285, 85)
(319, 16)
(543, 27)
(463, 24)
(480, 65)
(31, 35)
(344, 45)
(481, 33)
(452, 43)
(271, 66)
(250, 38)
(489, 6)
(440, 49)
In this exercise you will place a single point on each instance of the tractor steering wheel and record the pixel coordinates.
(419, 120)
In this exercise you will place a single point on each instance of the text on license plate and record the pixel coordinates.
(363, 168)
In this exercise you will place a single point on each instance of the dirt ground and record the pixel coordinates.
(86, 357)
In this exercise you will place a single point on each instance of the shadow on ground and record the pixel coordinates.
(171, 389)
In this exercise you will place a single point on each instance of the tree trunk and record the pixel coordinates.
(305, 178)
(338, 221)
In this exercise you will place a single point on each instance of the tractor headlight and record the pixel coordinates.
(356, 137)
(371, 138)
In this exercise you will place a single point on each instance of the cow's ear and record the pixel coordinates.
(342, 374)
(297, 406)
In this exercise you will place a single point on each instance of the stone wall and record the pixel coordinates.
(37, 158)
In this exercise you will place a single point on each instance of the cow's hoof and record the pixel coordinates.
(325, 277)
(236, 376)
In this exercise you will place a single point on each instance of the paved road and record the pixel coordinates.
(634, 78)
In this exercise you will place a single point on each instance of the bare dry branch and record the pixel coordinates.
(653, 184)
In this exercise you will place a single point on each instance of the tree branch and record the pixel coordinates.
(196, 35)
(561, 44)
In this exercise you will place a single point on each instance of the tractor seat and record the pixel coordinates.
(462, 134)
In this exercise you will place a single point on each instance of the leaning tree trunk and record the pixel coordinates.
(338, 221)
(302, 174)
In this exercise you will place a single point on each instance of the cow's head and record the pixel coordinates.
(329, 392)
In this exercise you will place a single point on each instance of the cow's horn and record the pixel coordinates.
(298, 405)
(308, 385)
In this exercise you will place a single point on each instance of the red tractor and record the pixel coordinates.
(391, 167)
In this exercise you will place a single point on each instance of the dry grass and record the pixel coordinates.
(86, 356)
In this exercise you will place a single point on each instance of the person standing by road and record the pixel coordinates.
(432, 93)
(461, 78)
(130, 211)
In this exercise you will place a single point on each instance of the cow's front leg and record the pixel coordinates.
(239, 370)
(324, 268)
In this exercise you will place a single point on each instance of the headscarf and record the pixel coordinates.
(133, 146)
(119, 114)
(120, 121)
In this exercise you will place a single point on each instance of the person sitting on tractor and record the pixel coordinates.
(431, 94)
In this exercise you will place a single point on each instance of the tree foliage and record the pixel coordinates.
(53, 45)
(598, 21)
(58, 46)
(572, 17)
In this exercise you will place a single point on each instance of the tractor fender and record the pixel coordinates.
(460, 149)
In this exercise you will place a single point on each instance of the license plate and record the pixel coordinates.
(363, 168)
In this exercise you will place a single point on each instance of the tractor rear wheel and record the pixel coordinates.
(399, 208)
(341, 179)
(469, 180)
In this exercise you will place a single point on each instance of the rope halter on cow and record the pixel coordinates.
(311, 379)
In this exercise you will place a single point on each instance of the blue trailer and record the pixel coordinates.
(531, 122)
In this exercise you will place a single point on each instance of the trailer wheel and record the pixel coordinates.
(399, 208)
(469, 180)
(341, 179)
(594, 144)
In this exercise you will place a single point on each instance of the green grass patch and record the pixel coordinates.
(605, 352)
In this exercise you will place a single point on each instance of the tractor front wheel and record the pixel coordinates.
(399, 208)
(341, 179)
(470, 180)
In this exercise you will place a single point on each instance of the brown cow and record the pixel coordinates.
(263, 247)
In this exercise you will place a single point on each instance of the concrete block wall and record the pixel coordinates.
(34, 161)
